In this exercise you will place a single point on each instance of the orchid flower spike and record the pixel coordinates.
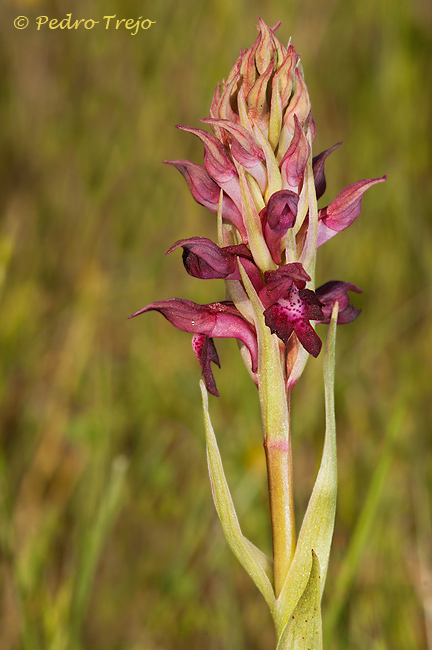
(260, 179)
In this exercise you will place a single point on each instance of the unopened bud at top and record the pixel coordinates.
(265, 89)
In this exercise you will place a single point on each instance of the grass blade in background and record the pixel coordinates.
(92, 544)
(363, 529)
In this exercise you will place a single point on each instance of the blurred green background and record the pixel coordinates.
(109, 538)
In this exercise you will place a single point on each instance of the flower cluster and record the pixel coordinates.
(261, 180)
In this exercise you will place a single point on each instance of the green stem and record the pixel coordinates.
(278, 451)
(277, 439)
(277, 445)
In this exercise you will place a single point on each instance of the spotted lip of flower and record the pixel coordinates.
(292, 307)
(219, 320)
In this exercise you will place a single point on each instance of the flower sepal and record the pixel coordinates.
(215, 320)
(204, 259)
(206, 192)
(343, 210)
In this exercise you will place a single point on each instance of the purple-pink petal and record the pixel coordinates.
(293, 313)
(337, 291)
(343, 210)
(216, 159)
(308, 337)
(206, 192)
(243, 147)
(318, 170)
(278, 320)
(278, 216)
(282, 210)
(206, 353)
(203, 259)
(218, 319)
(279, 282)
(294, 162)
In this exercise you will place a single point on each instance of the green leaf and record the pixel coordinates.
(317, 529)
(254, 561)
(303, 630)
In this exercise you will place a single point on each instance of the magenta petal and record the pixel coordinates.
(288, 315)
(324, 233)
(349, 314)
(279, 282)
(298, 106)
(280, 215)
(203, 259)
(206, 192)
(278, 320)
(253, 273)
(310, 122)
(218, 319)
(308, 338)
(216, 158)
(231, 324)
(344, 209)
(293, 313)
(243, 147)
(185, 315)
(337, 291)
(293, 163)
(312, 304)
(318, 170)
(206, 353)
(282, 210)
(203, 189)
